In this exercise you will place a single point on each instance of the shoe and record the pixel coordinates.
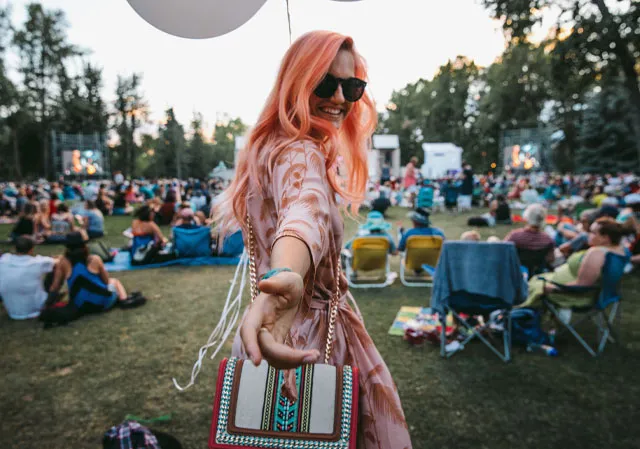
(132, 302)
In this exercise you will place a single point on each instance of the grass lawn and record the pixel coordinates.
(63, 388)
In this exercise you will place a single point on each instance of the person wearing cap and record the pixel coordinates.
(90, 288)
(375, 226)
(421, 226)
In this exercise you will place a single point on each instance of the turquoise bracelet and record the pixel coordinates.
(273, 272)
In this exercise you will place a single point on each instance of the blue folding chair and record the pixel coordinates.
(192, 242)
(607, 294)
(477, 278)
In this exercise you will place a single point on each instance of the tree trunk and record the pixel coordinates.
(16, 154)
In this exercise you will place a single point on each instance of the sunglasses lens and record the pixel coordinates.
(353, 89)
(327, 87)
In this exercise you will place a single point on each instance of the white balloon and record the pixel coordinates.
(196, 19)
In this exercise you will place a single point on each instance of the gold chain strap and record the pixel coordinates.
(335, 300)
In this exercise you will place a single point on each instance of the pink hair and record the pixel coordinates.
(286, 118)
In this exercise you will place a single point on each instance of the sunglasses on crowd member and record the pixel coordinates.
(352, 88)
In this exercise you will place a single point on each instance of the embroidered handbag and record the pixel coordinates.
(250, 410)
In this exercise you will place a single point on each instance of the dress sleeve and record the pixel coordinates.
(301, 195)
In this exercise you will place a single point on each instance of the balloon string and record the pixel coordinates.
(289, 20)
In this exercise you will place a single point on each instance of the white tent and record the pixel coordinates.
(440, 159)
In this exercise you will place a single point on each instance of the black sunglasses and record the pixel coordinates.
(352, 88)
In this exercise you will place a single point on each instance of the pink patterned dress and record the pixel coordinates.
(296, 200)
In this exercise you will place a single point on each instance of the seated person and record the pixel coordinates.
(43, 219)
(375, 226)
(532, 237)
(421, 226)
(185, 218)
(121, 205)
(90, 288)
(382, 203)
(5, 206)
(500, 210)
(145, 230)
(61, 224)
(26, 224)
(167, 210)
(103, 202)
(470, 236)
(577, 238)
(582, 268)
(21, 280)
(93, 220)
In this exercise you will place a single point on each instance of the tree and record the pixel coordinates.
(224, 140)
(43, 50)
(512, 95)
(595, 40)
(80, 106)
(440, 110)
(170, 150)
(131, 110)
(606, 135)
(200, 152)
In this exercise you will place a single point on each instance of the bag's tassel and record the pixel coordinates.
(230, 314)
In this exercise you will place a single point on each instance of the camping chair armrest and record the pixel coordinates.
(569, 288)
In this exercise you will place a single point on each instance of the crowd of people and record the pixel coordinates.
(590, 212)
(73, 214)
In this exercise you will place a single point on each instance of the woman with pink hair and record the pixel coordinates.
(290, 188)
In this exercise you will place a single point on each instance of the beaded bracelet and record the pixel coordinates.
(273, 272)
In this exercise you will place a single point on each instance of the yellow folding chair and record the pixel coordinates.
(368, 254)
(420, 250)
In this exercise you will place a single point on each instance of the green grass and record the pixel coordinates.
(64, 387)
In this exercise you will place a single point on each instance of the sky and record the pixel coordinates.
(402, 41)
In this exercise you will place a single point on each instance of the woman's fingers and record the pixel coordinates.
(283, 357)
(249, 334)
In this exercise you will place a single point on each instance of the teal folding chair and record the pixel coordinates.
(607, 297)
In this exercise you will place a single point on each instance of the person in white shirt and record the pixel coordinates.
(21, 280)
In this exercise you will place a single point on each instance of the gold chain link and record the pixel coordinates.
(335, 300)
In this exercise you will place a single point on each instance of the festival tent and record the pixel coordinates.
(441, 159)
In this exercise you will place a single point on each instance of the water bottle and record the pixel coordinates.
(549, 350)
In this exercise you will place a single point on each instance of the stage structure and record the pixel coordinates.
(385, 150)
(526, 149)
(80, 155)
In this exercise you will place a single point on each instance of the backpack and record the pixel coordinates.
(99, 249)
(526, 328)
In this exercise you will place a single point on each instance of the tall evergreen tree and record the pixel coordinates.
(171, 147)
(199, 151)
(43, 51)
(131, 111)
(607, 135)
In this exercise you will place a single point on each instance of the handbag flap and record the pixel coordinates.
(250, 410)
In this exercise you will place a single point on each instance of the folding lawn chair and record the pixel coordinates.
(192, 242)
(368, 254)
(477, 278)
(607, 295)
(421, 255)
(535, 261)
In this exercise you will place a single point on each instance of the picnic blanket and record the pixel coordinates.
(550, 219)
(122, 262)
(424, 319)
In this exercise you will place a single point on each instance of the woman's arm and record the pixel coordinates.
(59, 275)
(102, 271)
(157, 233)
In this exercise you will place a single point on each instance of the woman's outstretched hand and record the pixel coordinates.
(269, 321)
